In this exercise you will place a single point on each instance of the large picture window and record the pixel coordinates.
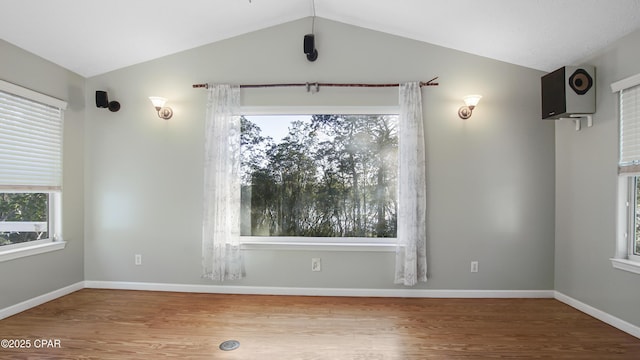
(319, 176)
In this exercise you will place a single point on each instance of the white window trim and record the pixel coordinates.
(625, 83)
(33, 248)
(624, 258)
(626, 265)
(298, 110)
(318, 243)
(32, 95)
(319, 246)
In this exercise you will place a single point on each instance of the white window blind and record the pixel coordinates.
(30, 141)
(629, 130)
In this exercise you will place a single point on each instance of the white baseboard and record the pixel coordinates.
(39, 300)
(599, 314)
(259, 290)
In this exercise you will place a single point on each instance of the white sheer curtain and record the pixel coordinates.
(221, 256)
(411, 253)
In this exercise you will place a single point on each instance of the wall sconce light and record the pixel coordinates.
(164, 112)
(470, 103)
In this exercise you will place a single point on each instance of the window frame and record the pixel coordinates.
(318, 243)
(624, 258)
(631, 204)
(624, 227)
(54, 229)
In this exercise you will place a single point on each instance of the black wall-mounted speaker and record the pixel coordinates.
(309, 43)
(113, 106)
(309, 47)
(568, 90)
(102, 99)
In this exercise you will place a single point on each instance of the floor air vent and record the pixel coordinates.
(229, 345)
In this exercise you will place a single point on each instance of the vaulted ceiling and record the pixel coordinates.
(91, 37)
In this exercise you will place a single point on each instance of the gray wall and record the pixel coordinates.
(586, 180)
(491, 178)
(28, 277)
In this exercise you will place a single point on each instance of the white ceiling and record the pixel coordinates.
(91, 37)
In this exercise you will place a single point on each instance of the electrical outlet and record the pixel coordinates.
(316, 264)
(474, 266)
(138, 259)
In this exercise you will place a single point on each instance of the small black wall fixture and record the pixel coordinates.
(309, 44)
(310, 47)
(102, 101)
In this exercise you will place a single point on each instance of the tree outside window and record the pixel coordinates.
(23, 217)
(324, 176)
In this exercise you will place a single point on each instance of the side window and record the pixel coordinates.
(31, 163)
(634, 219)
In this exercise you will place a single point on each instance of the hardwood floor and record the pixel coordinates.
(114, 324)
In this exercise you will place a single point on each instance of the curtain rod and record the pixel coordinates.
(317, 85)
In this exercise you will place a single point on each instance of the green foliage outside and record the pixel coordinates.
(331, 176)
(22, 207)
(637, 225)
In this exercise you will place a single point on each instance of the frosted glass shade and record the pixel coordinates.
(472, 100)
(158, 102)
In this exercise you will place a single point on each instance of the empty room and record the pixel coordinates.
(319, 179)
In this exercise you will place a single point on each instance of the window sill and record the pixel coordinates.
(319, 246)
(17, 253)
(626, 265)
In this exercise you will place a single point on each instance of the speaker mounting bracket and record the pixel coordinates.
(577, 117)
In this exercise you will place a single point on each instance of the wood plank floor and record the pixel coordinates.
(114, 324)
